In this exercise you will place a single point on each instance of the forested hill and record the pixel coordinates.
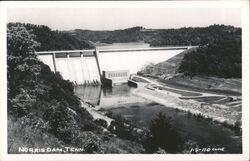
(127, 35)
(82, 39)
(53, 40)
(222, 59)
(161, 37)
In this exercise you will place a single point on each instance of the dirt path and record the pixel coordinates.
(95, 113)
(202, 94)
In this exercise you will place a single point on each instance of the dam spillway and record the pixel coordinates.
(78, 66)
(86, 66)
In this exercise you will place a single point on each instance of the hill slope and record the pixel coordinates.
(166, 68)
(221, 58)
(54, 40)
(160, 37)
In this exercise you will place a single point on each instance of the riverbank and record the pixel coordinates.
(226, 86)
(95, 113)
(218, 110)
(197, 131)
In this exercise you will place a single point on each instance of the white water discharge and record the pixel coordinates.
(78, 69)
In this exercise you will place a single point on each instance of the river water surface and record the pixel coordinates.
(140, 112)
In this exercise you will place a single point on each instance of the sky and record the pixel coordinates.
(121, 18)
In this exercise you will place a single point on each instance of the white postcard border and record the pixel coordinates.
(244, 5)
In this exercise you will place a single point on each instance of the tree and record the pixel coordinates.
(162, 135)
(21, 58)
(23, 69)
(61, 121)
(58, 40)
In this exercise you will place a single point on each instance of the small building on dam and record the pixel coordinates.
(111, 78)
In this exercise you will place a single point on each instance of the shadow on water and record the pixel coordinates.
(91, 94)
(98, 95)
(204, 133)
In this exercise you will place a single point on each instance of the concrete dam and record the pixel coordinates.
(78, 66)
(88, 66)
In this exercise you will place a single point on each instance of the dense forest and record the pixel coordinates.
(44, 112)
(54, 40)
(117, 36)
(196, 36)
(221, 58)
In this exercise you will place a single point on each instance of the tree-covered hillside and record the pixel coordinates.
(195, 36)
(117, 36)
(54, 40)
(39, 101)
(221, 58)
(161, 37)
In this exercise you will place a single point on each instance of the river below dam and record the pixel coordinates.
(139, 111)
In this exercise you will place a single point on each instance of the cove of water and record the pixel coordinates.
(121, 101)
(128, 45)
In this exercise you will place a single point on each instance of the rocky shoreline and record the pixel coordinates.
(216, 112)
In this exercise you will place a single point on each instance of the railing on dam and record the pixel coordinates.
(82, 66)
(145, 49)
(90, 52)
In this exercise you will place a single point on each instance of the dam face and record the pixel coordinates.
(80, 70)
(78, 67)
(86, 66)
